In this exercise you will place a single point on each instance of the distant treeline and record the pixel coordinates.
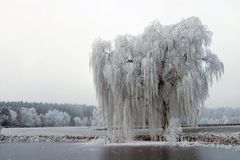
(223, 115)
(25, 114)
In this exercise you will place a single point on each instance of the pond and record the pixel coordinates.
(81, 151)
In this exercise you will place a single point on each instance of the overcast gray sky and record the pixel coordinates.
(45, 44)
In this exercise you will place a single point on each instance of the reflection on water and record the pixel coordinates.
(78, 151)
(150, 153)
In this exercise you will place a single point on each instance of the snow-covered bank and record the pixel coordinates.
(104, 142)
(210, 138)
(43, 138)
(213, 134)
(233, 139)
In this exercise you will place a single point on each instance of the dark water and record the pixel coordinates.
(78, 151)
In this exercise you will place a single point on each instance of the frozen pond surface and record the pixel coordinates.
(81, 151)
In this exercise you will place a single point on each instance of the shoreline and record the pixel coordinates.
(227, 139)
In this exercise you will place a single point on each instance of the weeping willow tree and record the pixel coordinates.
(145, 80)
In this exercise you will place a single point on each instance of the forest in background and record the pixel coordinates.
(26, 114)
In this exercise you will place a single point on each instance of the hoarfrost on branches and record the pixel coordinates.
(147, 79)
(97, 118)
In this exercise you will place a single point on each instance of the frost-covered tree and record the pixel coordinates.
(5, 117)
(77, 121)
(56, 118)
(13, 115)
(29, 117)
(147, 79)
(81, 121)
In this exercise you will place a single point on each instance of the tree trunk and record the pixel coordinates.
(165, 118)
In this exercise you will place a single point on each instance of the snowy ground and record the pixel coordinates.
(58, 131)
(92, 131)
(212, 129)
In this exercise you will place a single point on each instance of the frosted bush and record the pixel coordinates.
(173, 130)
